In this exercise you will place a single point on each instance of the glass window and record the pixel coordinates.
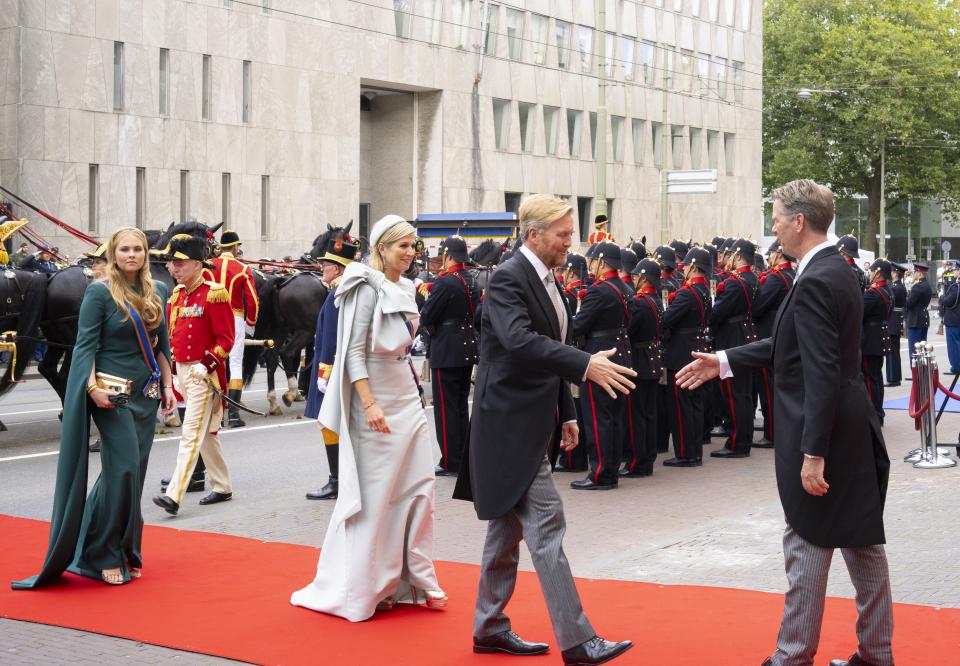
(713, 9)
(737, 68)
(538, 37)
(141, 197)
(616, 137)
(585, 46)
(668, 67)
(658, 145)
(460, 18)
(551, 115)
(514, 33)
(401, 17)
(264, 206)
(745, 7)
(676, 145)
(93, 199)
(729, 152)
(247, 91)
(713, 149)
(721, 66)
(593, 134)
(696, 148)
(639, 134)
(695, 7)
(527, 112)
(430, 15)
(648, 55)
(225, 200)
(627, 46)
(118, 76)
(730, 7)
(685, 70)
(501, 123)
(205, 88)
(574, 120)
(563, 44)
(609, 48)
(490, 30)
(703, 73)
(164, 78)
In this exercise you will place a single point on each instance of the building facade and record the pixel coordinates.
(279, 117)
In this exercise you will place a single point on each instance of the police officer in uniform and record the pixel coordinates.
(237, 278)
(602, 321)
(877, 310)
(683, 327)
(895, 325)
(339, 253)
(448, 315)
(201, 333)
(575, 274)
(915, 315)
(731, 321)
(850, 250)
(646, 311)
(775, 284)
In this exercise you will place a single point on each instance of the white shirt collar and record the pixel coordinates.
(812, 253)
(538, 266)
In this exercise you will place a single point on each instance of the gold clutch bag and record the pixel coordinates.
(114, 383)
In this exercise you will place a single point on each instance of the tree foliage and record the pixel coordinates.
(891, 70)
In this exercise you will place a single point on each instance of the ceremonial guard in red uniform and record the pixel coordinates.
(602, 321)
(201, 332)
(775, 284)
(600, 233)
(448, 315)
(850, 250)
(575, 274)
(237, 278)
(877, 309)
(731, 321)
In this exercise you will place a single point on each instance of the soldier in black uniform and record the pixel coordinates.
(602, 321)
(666, 258)
(850, 250)
(895, 324)
(683, 328)
(628, 261)
(448, 316)
(877, 309)
(915, 316)
(574, 288)
(646, 311)
(775, 284)
(680, 249)
(732, 324)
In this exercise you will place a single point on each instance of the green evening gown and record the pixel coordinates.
(102, 530)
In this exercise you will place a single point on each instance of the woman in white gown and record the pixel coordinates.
(379, 542)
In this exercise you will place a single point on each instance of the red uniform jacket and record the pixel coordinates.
(237, 278)
(201, 326)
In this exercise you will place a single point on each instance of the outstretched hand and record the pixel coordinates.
(702, 369)
(608, 375)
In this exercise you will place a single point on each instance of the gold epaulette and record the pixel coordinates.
(218, 293)
(175, 294)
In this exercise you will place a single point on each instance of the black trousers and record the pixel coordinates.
(575, 460)
(712, 409)
(737, 395)
(685, 414)
(603, 417)
(664, 400)
(451, 414)
(764, 386)
(894, 374)
(642, 426)
(873, 377)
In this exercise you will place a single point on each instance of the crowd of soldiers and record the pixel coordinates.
(655, 308)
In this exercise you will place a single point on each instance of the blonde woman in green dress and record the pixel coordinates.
(122, 332)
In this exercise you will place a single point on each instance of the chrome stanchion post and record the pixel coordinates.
(932, 457)
(922, 385)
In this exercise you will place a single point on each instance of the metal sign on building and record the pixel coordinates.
(696, 181)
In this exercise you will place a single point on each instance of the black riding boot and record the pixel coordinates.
(329, 491)
(233, 413)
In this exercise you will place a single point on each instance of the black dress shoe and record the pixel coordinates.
(215, 497)
(729, 453)
(167, 504)
(509, 643)
(443, 471)
(196, 485)
(594, 651)
(719, 431)
(590, 484)
(95, 448)
(329, 491)
(762, 443)
(683, 462)
(625, 473)
(855, 660)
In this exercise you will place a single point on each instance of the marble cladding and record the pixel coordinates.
(306, 131)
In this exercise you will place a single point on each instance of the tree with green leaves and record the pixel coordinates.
(851, 84)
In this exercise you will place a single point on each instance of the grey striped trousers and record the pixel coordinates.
(807, 569)
(538, 520)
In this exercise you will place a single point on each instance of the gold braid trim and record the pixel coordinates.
(218, 351)
(217, 293)
(324, 370)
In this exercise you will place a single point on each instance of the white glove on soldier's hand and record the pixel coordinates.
(322, 384)
(197, 373)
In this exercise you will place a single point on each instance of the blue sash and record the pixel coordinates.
(152, 387)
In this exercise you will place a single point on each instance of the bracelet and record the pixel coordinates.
(91, 388)
(369, 405)
(167, 387)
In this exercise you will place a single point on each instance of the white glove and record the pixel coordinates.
(248, 328)
(197, 373)
(322, 384)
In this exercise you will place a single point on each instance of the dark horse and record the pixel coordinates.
(22, 295)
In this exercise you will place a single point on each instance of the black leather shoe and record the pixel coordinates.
(855, 660)
(762, 443)
(728, 453)
(590, 484)
(719, 431)
(509, 643)
(195, 485)
(683, 462)
(594, 651)
(95, 448)
(625, 473)
(329, 491)
(443, 471)
(167, 504)
(215, 497)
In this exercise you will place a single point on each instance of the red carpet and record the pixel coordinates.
(229, 596)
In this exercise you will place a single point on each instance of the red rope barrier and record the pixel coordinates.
(912, 409)
(943, 389)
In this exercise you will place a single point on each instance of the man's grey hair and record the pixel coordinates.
(538, 210)
(808, 198)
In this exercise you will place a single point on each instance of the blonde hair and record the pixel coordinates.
(390, 236)
(538, 210)
(807, 198)
(142, 296)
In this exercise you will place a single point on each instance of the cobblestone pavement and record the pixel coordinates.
(718, 525)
